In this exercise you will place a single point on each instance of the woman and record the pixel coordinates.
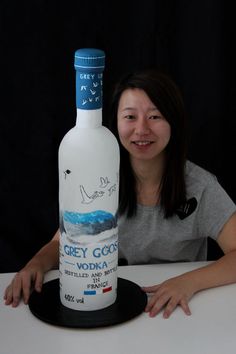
(168, 205)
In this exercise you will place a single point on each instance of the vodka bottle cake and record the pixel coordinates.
(88, 196)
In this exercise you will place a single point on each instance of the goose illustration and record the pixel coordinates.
(86, 199)
(92, 92)
(112, 189)
(104, 182)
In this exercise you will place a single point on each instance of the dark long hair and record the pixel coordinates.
(166, 96)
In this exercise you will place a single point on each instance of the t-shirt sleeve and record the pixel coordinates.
(214, 209)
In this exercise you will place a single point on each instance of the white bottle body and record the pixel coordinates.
(88, 200)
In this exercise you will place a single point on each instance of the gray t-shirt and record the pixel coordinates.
(150, 238)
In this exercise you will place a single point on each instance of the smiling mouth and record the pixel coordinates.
(142, 143)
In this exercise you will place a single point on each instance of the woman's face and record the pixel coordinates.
(143, 131)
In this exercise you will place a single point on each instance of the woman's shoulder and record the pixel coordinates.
(197, 178)
(197, 173)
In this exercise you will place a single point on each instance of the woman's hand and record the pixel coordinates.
(30, 277)
(168, 295)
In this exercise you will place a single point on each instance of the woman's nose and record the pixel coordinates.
(142, 127)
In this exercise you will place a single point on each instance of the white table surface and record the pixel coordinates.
(211, 329)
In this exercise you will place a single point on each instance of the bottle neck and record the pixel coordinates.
(89, 118)
(89, 90)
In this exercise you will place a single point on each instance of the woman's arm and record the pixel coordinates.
(32, 274)
(179, 290)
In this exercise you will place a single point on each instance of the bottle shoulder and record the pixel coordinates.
(80, 136)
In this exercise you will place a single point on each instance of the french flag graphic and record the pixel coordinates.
(96, 292)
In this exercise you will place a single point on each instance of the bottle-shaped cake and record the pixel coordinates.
(88, 196)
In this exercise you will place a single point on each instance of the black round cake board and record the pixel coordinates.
(47, 306)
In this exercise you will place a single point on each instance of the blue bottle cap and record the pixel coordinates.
(89, 66)
(89, 60)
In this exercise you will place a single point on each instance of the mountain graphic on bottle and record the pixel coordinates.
(93, 223)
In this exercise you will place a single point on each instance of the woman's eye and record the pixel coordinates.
(129, 117)
(155, 117)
